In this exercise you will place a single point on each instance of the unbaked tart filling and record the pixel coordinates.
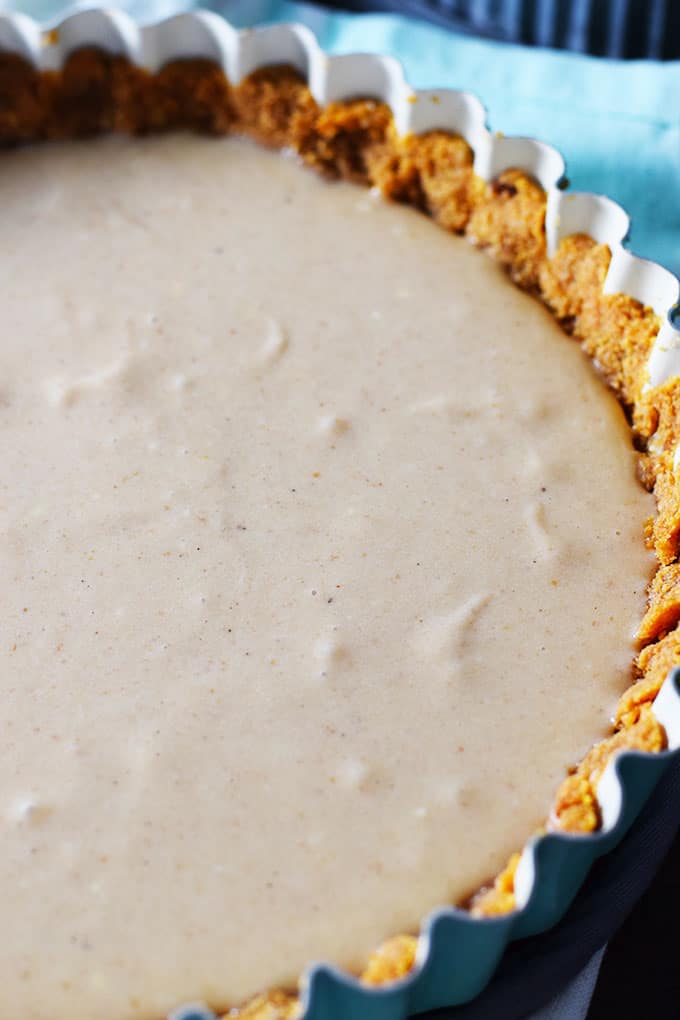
(322, 563)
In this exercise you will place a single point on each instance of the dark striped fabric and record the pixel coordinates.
(630, 29)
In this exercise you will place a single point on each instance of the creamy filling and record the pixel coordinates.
(321, 558)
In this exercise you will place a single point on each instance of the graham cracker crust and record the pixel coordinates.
(357, 140)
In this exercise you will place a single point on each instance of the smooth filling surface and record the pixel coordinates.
(321, 558)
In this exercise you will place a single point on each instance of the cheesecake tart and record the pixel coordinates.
(324, 550)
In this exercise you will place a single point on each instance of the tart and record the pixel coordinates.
(324, 551)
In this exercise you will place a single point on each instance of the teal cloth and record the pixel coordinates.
(617, 123)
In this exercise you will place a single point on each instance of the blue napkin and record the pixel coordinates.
(616, 122)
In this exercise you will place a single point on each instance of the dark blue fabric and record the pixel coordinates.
(614, 28)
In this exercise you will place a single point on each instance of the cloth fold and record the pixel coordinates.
(572, 1002)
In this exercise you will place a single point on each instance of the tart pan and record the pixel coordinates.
(457, 953)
